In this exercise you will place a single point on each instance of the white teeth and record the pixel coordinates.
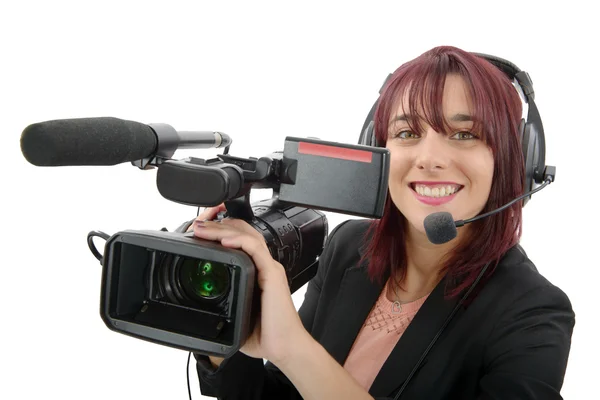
(437, 191)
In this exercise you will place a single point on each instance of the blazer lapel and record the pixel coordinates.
(354, 301)
(414, 341)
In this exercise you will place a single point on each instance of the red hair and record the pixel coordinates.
(497, 109)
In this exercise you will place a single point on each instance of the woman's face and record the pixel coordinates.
(439, 171)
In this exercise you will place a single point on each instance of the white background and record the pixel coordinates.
(257, 71)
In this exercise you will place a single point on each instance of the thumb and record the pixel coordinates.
(209, 213)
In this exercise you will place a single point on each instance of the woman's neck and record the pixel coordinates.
(424, 263)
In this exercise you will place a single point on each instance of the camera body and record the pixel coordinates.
(177, 290)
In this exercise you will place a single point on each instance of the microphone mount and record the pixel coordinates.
(169, 140)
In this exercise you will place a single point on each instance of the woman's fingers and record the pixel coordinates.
(212, 230)
(234, 224)
(238, 234)
(242, 226)
(267, 267)
(235, 233)
(210, 213)
(251, 246)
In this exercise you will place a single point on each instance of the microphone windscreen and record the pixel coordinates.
(440, 227)
(87, 141)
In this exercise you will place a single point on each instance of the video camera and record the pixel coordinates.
(177, 290)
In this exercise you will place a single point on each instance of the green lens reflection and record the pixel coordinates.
(204, 279)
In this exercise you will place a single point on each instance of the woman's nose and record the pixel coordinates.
(432, 153)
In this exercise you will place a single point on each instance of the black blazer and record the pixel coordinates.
(511, 342)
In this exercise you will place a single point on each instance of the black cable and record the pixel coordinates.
(188, 375)
(91, 245)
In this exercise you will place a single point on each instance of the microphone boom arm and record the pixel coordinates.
(549, 174)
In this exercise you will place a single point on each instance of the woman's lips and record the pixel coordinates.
(434, 201)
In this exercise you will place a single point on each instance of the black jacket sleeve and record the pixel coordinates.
(527, 352)
(242, 377)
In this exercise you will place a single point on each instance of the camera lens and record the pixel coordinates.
(204, 279)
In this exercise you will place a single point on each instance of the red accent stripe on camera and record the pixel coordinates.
(335, 152)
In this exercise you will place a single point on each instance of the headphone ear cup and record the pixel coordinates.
(367, 134)
(371, 134)
(522, 129)
(365, 138)
(529, 143)
(539, 161)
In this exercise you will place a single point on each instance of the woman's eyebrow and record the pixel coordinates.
(402, 117)
(462, 118)
(459, 117)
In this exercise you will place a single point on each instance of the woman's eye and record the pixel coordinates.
(464, 136)
(406, 135)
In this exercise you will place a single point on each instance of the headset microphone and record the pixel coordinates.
(440, 227)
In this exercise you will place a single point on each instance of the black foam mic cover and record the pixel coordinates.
(87, 141)
(440, 227)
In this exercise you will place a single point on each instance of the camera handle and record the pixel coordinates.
(239, 207)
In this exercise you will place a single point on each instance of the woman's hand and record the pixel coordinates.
(280, 327)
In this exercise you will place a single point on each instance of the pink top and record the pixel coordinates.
(377, 338)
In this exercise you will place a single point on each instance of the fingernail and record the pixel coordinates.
(200, 224)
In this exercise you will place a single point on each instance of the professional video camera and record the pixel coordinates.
(178, 290)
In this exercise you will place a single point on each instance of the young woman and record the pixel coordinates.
(383, 291)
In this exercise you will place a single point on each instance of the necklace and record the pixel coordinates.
(397, 304)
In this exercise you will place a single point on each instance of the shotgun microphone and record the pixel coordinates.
(108, 141)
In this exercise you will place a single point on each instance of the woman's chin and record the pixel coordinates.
(417, 226)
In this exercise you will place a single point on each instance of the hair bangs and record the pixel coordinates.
(422, 89)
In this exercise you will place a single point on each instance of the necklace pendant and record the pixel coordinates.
(396, 307)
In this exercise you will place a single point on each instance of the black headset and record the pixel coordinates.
(531, 130)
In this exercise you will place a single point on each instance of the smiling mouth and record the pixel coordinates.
(435, 191)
